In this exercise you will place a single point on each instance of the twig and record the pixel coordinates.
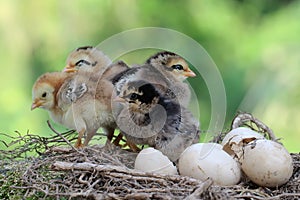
(283, 195)
(268, 198)
(242, 118)
(86, 166)
(200, 189)
(60, 135)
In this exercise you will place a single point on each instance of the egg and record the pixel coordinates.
(267, 163)
(204, 160)
(152, 160)
(234, 141)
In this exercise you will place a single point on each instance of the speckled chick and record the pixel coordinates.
(165, 69)
(148, 117)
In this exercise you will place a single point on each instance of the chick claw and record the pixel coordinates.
(131, 145)
(78, 144)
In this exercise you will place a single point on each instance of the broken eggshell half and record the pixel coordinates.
(235, 140)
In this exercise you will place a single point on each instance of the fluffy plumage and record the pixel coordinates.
(87, 58)
(166, 62)
(47, 94)
(80, 100)
(148, 117)
(90, 110)
(94, 71)
(165, 69)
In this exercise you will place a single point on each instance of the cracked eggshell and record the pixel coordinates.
(238, 134)
(205, 160)
(152, 160)
(234, 141)
(267, 163)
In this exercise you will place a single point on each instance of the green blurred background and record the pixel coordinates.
(254, 43)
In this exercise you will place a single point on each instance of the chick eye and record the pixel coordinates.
(44, 94)
(133, 96)
(177, 67)
(82, 62)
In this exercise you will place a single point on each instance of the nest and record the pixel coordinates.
(50, 168)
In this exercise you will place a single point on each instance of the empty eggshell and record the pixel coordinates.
(205, 160)
(267, 163)
(234, 141)
(238, 134)
(152, 160)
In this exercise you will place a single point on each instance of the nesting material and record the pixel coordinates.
(36, 167)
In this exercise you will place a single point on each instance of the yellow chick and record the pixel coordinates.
(84, 108)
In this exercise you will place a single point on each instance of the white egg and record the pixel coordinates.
(235, 140)
(205, 160)
(152, 160)
(267, 163)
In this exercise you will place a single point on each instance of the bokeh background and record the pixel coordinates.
(254, 43)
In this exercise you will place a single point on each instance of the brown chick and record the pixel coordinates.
(89, 109)
(46, 94)
(94, 70)
(87, 58)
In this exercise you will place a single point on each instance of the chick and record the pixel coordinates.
(165, 69)
(94, 70)
(148, 117)
(171, 65)
(176, 70)
(47, 94)
(86, 111)
(87, 58)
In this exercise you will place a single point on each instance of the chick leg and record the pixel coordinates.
(132, 146)
(109, 131)
(81, 129)
(118, 139)
(89, 136)
(78, 143)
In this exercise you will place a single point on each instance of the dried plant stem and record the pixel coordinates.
(60, 135)
(110, 169)
(242, 118)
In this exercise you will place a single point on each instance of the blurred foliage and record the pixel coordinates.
(254, 43)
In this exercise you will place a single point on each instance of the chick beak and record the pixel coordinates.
(119, 99)
(189, 73)
(36, 104)
(70, 68)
